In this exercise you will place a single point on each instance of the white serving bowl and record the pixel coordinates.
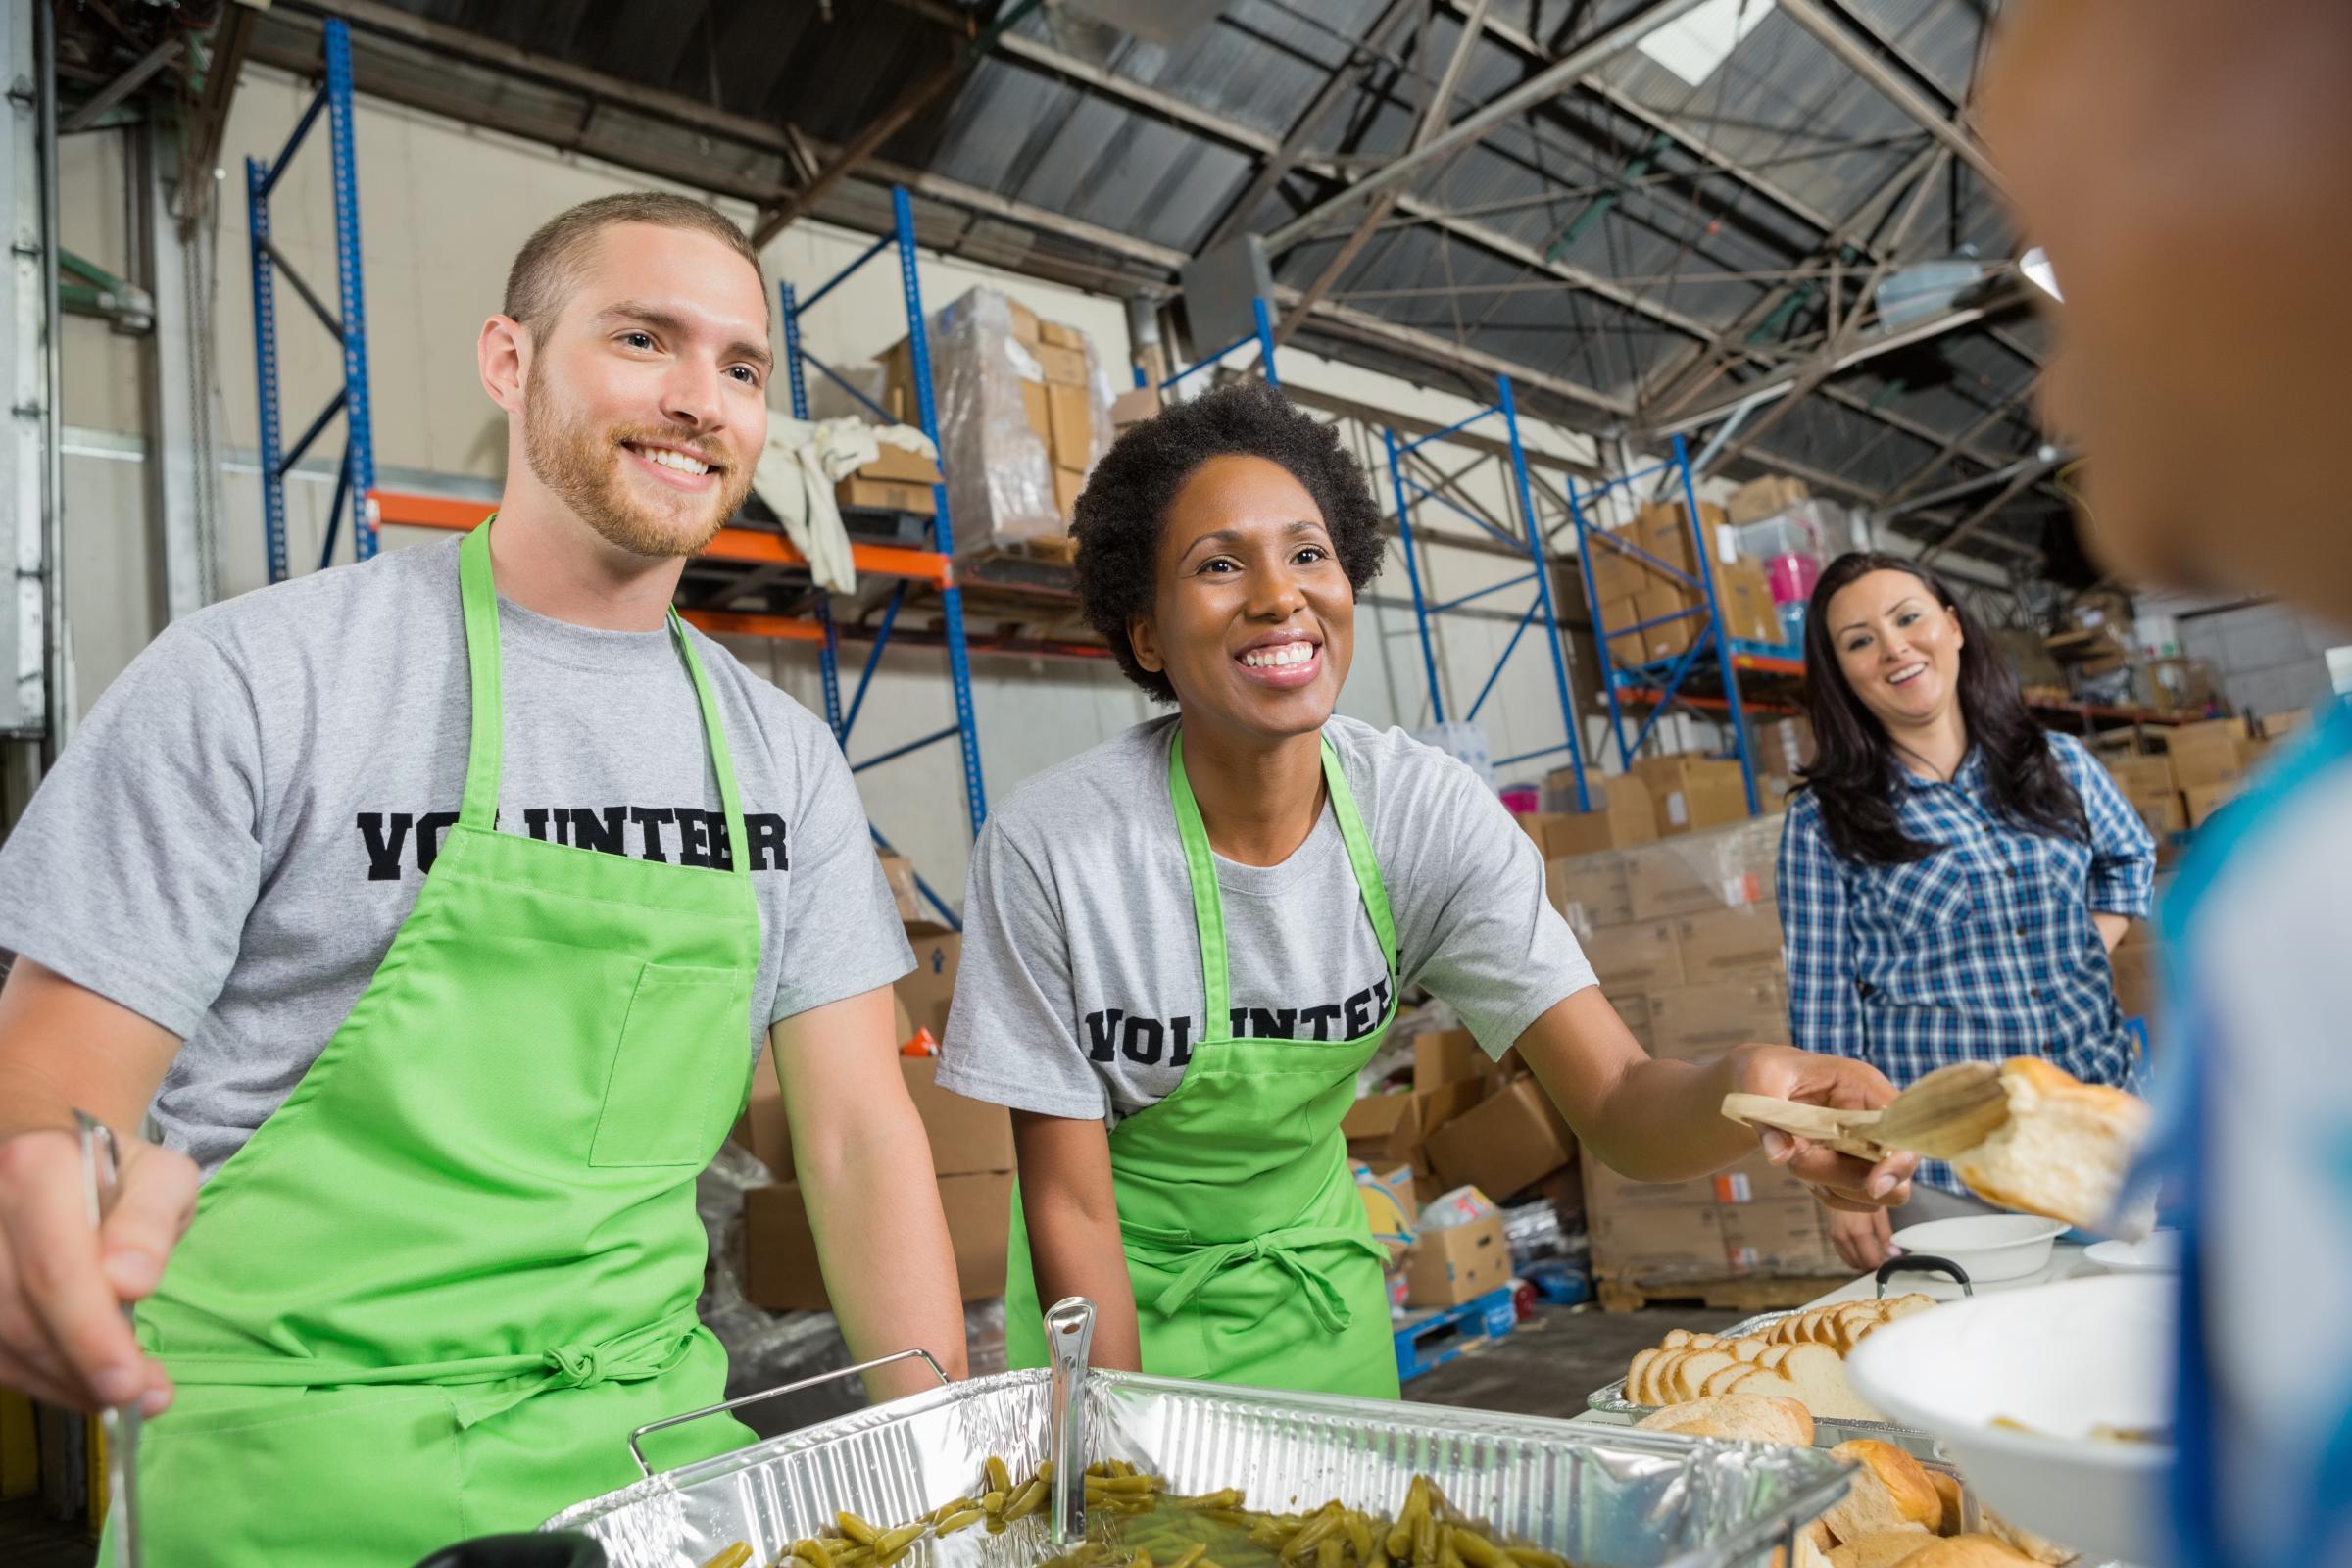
(2159, 1253)
(1989, 1247)
(2060, 1358)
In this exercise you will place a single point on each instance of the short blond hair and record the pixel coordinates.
(548, 267)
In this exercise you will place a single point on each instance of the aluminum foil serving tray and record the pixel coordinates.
(1604, 1496)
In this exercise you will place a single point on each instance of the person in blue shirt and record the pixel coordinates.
(1952, 876)
(2186, 166)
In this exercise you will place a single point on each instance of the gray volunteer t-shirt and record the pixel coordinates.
(1080, 992)
(230, 842)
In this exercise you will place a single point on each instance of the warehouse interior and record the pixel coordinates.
(1555, 269)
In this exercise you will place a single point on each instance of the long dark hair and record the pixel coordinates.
(1855, 775)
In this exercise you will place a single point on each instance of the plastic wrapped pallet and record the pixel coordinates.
(996, 422)
(1725, 868)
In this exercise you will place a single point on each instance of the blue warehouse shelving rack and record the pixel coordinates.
(1531, 540)
(1261, 334)
(349, 323)
(1705, 676)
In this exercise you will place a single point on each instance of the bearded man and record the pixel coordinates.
(434, 913)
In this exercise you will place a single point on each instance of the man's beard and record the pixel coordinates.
(581, 464)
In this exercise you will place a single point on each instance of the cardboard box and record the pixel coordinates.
(1745, 595)
(2135, 776)
(885, 496)
(780, 1268)
(1725, 868)
(1621, 817)
(1068, 483)
(1780, 747)
(2213, 752)
(1070, 417)
(1635, 958)
(1443, 1056)
(2163, 814)
(1626, 648)
(898, 465)
(1458, 1263)
(1617, 575)
(1054, 334)
(1390, 1207)
(899, 872)
(930, 986)
(1664, 530)
(1590, 890)
(1693, 792)
(967, 1137)
(1388, 1129)
(1763, 498)
(1785, 1236)
(1730, 944)
(1508, 1140)
(1026, 327)
(2203, 799)
(1606, 1190)
(1065, 367)
(1039, 410)
(979, 1214)
(1674, 629)
(1698, 1023)
(1134, 407)
(2277, 726)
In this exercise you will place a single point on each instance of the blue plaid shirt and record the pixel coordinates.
(1982, 950)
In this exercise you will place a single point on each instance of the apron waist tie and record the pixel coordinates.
(635, 1357)
(1281, 1248)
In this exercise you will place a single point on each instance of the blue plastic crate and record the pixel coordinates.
(1427, 1341)
(1556, 1283)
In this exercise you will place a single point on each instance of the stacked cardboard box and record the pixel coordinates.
(1627, 590)
(2213, 761)
(1691, 949)
(898, 481)
(1763, 498)
(1779, 748)
(1692, 792)
(971, 1156)
(1621, 815)
(2148, 783)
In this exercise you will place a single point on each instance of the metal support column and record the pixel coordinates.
(951, 598)
(24, 342)
(1412, 573)
(350, 327)
(1262, 334)
(181, 462)
(1723, 642)
(1538, 557)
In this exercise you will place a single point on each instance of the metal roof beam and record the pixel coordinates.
(1992, 416)
(1472, 127)
(1838, 38)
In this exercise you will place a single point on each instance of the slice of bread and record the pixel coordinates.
(1889, 1492)
(1884, 1549)
(2019, 1539)
(1967, 1552)
(1720, 1381)
(1746, 1347)
(1947, 1487)
(1744, 1418)
(1675, 1340)
(1820, 1378)
(1633, 1373)
(1691, 1371)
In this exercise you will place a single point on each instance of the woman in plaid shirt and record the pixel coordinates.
(1952, 876)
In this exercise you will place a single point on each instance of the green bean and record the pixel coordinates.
(1000, 1479)
(961, 1519)
(1359, 1536)
(1478, 1551)
(734, 1556)
(1025, 1501)
(812, 1553)
(1330, 1551)
(1535, 1558)
(857, 1529)
(993, 1503)
(1121, 1486)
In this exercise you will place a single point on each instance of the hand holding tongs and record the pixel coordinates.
(122, 1427)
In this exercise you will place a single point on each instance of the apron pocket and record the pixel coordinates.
(660, 1105)
(325, 1478)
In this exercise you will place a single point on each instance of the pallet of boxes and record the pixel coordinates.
(971, 1143)
(1677, 915)
(1024, 412)
(1628, 591)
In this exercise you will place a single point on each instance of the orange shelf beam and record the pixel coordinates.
(752, 546)
(740, 624)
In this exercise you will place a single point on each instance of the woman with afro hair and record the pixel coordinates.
(1182, 945)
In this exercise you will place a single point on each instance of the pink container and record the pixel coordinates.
(1521, 798)
(1793, 578)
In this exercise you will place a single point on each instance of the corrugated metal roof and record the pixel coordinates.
(1687, 250)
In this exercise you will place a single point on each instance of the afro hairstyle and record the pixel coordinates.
(1119, 515)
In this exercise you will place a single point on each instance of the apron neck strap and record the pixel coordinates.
(1200, 868)
(478, 593)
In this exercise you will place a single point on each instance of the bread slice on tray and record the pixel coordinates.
(1741, 1417)
(1884, 1549)
(1889, 1492)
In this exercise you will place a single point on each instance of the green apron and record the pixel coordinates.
(1251, 1254)
(433, 1293)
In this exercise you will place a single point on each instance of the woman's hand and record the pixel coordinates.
(1839, 1181)
(1865, 1239)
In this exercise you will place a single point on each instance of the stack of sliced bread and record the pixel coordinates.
(1800, 1358)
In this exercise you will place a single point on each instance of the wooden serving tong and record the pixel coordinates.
(1944, 1115)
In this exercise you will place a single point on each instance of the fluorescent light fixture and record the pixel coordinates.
(2035, 265)
(1694, 44)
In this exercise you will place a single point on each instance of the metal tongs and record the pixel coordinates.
(122, 1427)
(1070, 1337)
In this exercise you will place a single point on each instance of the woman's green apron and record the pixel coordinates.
(1250, 1254)
(433, 1293)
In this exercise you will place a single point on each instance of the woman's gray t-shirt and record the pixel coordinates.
(1080, 992)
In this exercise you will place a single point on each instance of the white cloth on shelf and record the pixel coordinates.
(797, 470)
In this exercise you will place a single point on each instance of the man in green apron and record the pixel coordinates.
(1182, 947)
(435, 910)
